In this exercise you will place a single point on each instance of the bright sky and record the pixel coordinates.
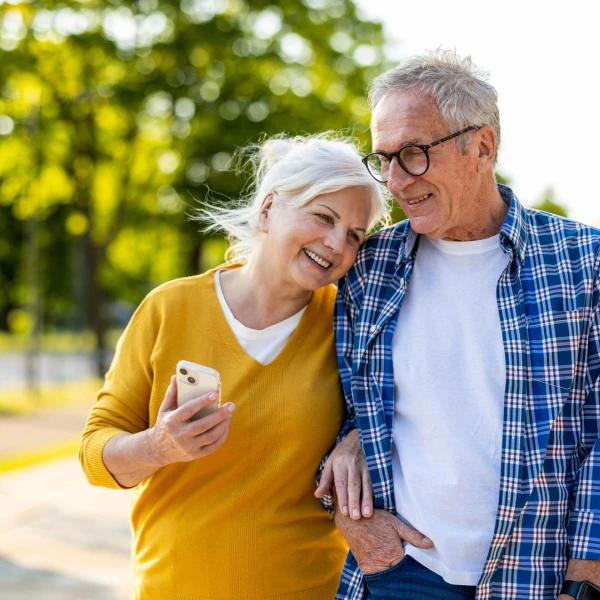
(544, 61)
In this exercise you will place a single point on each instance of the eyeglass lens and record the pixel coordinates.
(413, 158)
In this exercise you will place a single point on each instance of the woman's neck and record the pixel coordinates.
(258, 299)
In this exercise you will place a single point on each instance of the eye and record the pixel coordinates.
(324, 218)
(354, 237)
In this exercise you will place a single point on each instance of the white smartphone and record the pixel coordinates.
(194, 380)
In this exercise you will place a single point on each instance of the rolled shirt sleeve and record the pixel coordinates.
(584, 517)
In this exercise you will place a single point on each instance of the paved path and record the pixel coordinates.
(50, 367)
(24, 433)
(61, 538)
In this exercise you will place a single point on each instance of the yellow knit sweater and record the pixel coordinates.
(241, 523)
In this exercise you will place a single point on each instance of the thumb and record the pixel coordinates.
(170, 401)
(326, 480)
(411, 535)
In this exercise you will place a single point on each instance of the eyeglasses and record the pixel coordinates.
(413, 158)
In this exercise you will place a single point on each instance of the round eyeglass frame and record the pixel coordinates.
(424, 147)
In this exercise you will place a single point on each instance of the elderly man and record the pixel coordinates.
(469, 344)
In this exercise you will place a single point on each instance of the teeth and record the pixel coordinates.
(417, 200)
(317, 259)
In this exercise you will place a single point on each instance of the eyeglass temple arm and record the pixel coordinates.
(449, 137)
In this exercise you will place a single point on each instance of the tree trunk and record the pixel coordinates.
(96, 304)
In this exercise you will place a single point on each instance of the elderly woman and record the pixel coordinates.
(224, 506)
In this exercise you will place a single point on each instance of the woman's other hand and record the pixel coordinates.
(175, 438)
(347, 468)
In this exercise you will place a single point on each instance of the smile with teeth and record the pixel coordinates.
(321, 262)
(419, 199)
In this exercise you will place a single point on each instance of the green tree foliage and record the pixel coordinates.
(115, 116)
(549, 203)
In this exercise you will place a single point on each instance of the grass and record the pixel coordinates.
(33, 457)
(23, 402)
(57, 341)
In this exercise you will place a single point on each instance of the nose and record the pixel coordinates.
(398, 179)
(335, 240)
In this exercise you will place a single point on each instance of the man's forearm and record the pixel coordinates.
(582, 570)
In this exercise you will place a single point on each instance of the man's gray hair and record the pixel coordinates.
(459, 88)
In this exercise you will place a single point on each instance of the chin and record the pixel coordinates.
(426, 227)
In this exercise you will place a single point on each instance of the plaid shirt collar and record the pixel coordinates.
(513, 235)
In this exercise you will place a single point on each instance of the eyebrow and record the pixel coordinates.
(405, 143)
(337, 216)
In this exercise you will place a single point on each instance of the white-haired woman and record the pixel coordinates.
(224, 506)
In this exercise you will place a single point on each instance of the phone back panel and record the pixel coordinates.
(195, 380)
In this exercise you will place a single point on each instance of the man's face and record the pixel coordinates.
(442, 202)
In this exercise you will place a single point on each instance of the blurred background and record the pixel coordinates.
(116, 121)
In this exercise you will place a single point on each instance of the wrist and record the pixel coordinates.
(579, 589)
(153, 458)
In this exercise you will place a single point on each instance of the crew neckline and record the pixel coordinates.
(468, 247)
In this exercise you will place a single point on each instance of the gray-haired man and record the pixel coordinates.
(469, 347)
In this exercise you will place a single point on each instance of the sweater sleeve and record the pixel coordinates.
(122, 404)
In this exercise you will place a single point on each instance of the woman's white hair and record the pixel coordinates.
(459, 88)
(296, 170)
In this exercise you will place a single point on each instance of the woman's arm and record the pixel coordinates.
(346, 467)
(132, 457)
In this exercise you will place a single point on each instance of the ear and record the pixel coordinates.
(486, 148)
(265, 210)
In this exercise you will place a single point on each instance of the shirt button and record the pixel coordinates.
(522, 255)
(398, 261)
(373, 329)
(401, 281)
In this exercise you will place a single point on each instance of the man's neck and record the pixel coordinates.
(488, 221)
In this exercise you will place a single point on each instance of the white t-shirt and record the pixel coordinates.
(449, 370)
(262, 345)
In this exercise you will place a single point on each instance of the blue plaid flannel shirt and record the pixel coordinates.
(548, 301)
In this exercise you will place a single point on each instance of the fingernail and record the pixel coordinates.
(344, 510)
(230, 407)
(426, 540)
(356, 512)
(367, 510)
(212, 396)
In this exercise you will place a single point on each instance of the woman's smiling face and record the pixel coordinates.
(314, 245)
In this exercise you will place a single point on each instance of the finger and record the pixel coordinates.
(367, 494)
(209, 421)
(189, 409)
(354, 488)
(170, 401)
(326, 480)
(206, 450)
(340, 476)
(411, 535)
(205, 443)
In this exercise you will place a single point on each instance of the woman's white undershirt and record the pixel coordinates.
(263, 345)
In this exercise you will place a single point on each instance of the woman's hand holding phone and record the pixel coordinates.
(177, 438)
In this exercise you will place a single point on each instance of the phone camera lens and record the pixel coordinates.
(183, 371)
(191, 380)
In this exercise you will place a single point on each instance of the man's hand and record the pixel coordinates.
(376, 543)
(347, 467)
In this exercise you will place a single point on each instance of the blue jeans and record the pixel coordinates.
(409, 580)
